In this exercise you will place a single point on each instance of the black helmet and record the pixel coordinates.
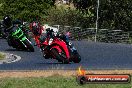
(7, 21)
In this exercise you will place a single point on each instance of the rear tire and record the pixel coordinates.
(29, 45)
(58, 57)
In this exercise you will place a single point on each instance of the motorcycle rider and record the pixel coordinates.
(64, 36)
(36, 29)
(7, 23)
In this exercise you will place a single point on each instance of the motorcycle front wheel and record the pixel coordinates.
(76, 57)
(59, 57)
(29, 45)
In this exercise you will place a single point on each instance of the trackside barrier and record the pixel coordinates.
(104, 35)
(113, 36)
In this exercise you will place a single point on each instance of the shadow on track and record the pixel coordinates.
(17, 50)
(12, 50)
(51, 63)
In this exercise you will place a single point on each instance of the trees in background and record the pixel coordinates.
(25, 9)
(84, 5)
(116, 14)
(70, 17)
(113, 14)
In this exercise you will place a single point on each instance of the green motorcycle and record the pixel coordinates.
(18, 40)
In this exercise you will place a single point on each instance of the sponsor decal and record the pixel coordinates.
(83, 78)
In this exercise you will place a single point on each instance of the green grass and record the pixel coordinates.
(53, 82)
(2, 56)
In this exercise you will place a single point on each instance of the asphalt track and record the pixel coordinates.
(94, 56)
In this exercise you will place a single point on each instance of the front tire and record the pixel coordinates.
(29, 45)
(76, 57)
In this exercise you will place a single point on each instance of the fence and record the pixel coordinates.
(103, 35)
(113, 36)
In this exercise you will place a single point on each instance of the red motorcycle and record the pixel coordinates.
(54, 47)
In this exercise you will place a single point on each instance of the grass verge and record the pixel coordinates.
(54, 79)
(2, 56)
(53, 82)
